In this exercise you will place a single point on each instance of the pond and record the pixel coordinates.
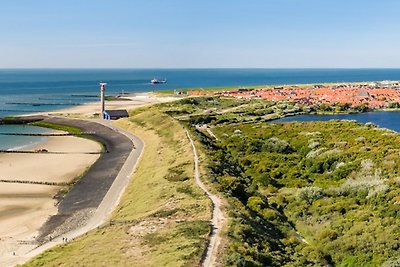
(384, 119)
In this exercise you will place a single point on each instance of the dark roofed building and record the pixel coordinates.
(115, 114)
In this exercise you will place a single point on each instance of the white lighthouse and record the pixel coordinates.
(102, 98)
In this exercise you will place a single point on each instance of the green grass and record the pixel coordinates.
(9, 119)
(157, 222)
(65, 128)
(88, 251)
(308, 177)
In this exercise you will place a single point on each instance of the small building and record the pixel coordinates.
(115, 114)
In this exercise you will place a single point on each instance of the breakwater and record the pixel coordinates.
(41, 151)
(47, 134)
(18, 181)
(20, 120)
(42, 104)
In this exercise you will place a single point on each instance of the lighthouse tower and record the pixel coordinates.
(102, 98)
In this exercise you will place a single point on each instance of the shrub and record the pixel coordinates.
(269, 214)
(341, 144)
(177, 173)
(382, 188)
(361, 139)
(370, 125)
(310, 193)
(327, 234)
(275, 144)
(313, 144)
(316, 153)
(392, 263)
(256, 204)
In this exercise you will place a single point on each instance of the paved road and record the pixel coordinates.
(88, 193)
(104, 187)
(218, 219)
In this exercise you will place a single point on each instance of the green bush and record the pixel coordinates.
(334, 182)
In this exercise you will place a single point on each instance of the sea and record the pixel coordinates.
(11, 142)
(24, 91)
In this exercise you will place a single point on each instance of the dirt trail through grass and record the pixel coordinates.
(218, 219)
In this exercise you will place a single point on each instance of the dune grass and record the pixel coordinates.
(159, 221)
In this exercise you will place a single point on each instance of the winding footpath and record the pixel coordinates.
(218, 219)
(103, 211)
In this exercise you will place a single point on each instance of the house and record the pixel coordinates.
(115, 114)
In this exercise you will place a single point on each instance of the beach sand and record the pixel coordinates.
(130, 102)
(24, 208)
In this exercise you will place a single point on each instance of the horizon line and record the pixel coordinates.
(196, 68)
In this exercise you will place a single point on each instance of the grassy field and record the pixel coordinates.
(65, 128)
(163, 217)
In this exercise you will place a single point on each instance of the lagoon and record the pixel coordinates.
(383, 119)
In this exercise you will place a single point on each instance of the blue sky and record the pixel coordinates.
(199, 33)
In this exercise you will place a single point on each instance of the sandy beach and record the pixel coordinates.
(127, 102)
(25, 207)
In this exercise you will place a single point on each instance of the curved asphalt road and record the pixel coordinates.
(91, 189)
(100, 189)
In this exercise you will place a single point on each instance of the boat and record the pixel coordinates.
(157, 81)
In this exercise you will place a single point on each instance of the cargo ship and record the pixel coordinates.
(157, 81)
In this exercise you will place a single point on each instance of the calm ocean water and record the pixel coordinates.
(24, 91)
(20, 142)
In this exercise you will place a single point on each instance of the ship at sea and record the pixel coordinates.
(26, 91)
(157, 81)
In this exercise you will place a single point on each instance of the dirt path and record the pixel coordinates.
(218, 218)
(107, 205)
